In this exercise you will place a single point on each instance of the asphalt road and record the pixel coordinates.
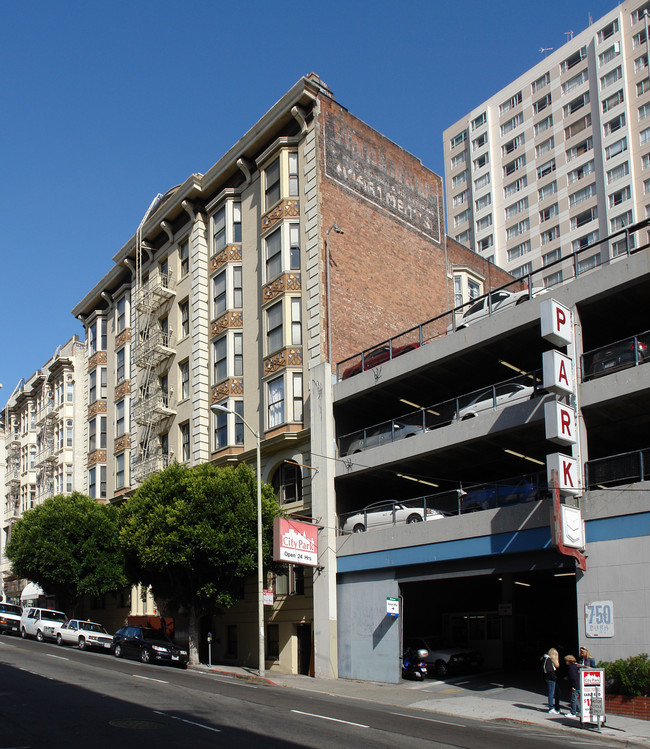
(53, 697)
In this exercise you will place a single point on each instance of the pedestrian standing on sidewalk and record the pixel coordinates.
(573, 676)
(585, 658)
(550, 667)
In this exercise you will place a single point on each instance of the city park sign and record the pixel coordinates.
(295, 542)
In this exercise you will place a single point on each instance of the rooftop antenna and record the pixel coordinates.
(545, 50)
(569, 35)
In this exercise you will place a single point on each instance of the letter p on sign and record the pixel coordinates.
(557, 327)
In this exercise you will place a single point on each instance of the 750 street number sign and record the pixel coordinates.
(599, 619)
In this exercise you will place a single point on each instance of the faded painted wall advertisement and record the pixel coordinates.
(359, 163)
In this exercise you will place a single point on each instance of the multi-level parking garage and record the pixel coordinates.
(486, 572)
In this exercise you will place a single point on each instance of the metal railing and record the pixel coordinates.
(613, 470)
(514, 390)
(613, 246)
(628, 352)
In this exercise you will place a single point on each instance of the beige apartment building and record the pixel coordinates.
(45, 437)
(311, 239)
(561, 156)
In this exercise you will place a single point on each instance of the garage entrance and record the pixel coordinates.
(511, 618)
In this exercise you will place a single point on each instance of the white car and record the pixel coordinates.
(84, 635)
(383, 514)
(43, 624)
(10, 618)
(500, 395)
(492, 303)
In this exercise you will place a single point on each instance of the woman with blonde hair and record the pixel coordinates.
(550, 666)
(585, 658)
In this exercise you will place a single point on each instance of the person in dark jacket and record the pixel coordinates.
(573, 676)
(550, 667)
(585, 658)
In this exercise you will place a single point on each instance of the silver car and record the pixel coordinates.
(499, 395)
(497, 301)
(383, 514)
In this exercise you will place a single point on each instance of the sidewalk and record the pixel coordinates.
(495, 696)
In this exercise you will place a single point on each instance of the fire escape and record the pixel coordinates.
(153, 346)
(45, 457)
(12, 506)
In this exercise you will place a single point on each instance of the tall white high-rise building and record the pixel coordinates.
(560, 158)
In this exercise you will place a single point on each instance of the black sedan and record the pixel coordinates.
(149, 645)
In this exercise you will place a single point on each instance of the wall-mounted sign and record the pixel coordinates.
(573, 529)
(560, 423)
(556, 322)
(557, 373)
(599, 619)
(295, 541)
(392, 607)
(267, 596)
(568, 477)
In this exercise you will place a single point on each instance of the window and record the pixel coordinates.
(611, 77)
(296, 322)
(512, 145)
(459, 139)
(294, 246)
(120, 418)
(184, 309)
(479, 142)
(97, 336)
(120, 315)
(478, 121)
(640, 63)
(272, 184)
(482, 181)
(219, 299)
(644, 111)
(220, 359)
(541, 82)
(92, 386)
(220, 430)
(219, 230)
(609, 54)
(459, 160)
(543, 125)
(612, 101)
(287, 483)
(580, 172)
(613, 125)
(184, 374)
(581, 195)
(512, 102)
(460, 198)
(485, 243)
(515, 208)
(640, 13)
(238, 351)
(584, 218)
(582, 242)
(514, 165)
(553, 279)
(542, 103)
(621, 221)
(521, 249)
(184, 257)
(573, 60)
(511, 124)
(588, 263)
(522, 270)
(120, 365)
(97, 433)
(577, 127)
(574, 82)
(646, 186)
(545, 146)
(546, 169)
(296, 378)
(184, 430)
(97, 482)
(644, 136)
(547, 191)
(576, 104)
(616, 148)
(517, 229)
(550, 235)
(552, 256)
(515, 186)
(481, 161)
(645, 161)
(292, 158)
(68, 433)
(548, 213)
(461, 218)
(459, 179)
(580, 149)
(275, 400)
(642, 86)
(120, 469)
(274, 334)
(618, 197)
(226, 226)
(465, 237)
(484, 223)
(608, 30)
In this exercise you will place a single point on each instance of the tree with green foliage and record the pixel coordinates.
(69, 546)
(191, 535)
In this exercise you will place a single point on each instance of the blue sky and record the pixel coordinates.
(105, 104)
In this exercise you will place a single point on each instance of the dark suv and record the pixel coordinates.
(149, 645)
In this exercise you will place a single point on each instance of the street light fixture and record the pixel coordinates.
(335, 227)
(215, 408)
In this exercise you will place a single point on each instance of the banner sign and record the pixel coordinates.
(295, 541)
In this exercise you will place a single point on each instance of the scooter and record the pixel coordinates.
(413, 665)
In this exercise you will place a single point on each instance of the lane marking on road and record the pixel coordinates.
(60, 657)
(334, 720)
(191, 722)
(148, 678)
(430, 720)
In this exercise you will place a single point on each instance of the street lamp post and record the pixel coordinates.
(215, 408)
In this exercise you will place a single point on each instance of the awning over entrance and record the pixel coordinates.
(31, 592)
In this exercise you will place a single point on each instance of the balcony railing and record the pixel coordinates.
(155, 292)
(154, 346)
(153, 463)
(157, 405)
(614, 470)
(629, 352)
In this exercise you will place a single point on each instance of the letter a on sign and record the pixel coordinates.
(557, 327)
(557, 371)
(567, 473)
(560, 422)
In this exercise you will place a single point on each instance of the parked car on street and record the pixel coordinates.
(84, 635)
(383, 514)
(10, 618)
(446, 660)
(378, 356)
(494, 397)
(43, 624)
(491, 303)
(149, 645)
(619, 355)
